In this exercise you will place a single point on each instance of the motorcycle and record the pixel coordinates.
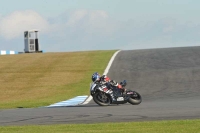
(101, 94)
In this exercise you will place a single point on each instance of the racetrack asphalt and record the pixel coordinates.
(168, 80)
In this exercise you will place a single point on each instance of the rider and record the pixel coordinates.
(106, 80)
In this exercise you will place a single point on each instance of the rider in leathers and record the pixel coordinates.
(111, 84)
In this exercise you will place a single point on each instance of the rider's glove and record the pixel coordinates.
(113, 83)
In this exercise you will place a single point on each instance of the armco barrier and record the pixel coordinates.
(7, 52)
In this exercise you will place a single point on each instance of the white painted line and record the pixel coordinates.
(110, 62)
(87, 100)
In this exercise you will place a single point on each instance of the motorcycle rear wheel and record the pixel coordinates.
(135, 98)
(101, 99)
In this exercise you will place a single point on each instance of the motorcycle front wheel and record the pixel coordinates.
(101, 99)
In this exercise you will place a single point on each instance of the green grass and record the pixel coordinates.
(34, 80)
(181, 126)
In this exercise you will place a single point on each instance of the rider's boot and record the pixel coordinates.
(112, 96)
(124, 92)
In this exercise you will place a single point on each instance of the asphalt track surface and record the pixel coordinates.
(168, 80)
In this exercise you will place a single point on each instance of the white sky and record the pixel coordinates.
(75, 25)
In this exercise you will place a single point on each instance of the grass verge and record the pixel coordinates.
(176, 126)
(34, 80)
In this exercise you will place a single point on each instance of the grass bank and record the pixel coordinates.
(34, 80)
(181, 126)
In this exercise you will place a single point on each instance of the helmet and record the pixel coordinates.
(95, 76)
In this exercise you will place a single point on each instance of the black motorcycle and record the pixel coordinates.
(101, 94)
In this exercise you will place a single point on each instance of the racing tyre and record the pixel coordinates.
(101, 99)
(135, 98)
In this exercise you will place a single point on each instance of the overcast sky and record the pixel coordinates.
(77, 25)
